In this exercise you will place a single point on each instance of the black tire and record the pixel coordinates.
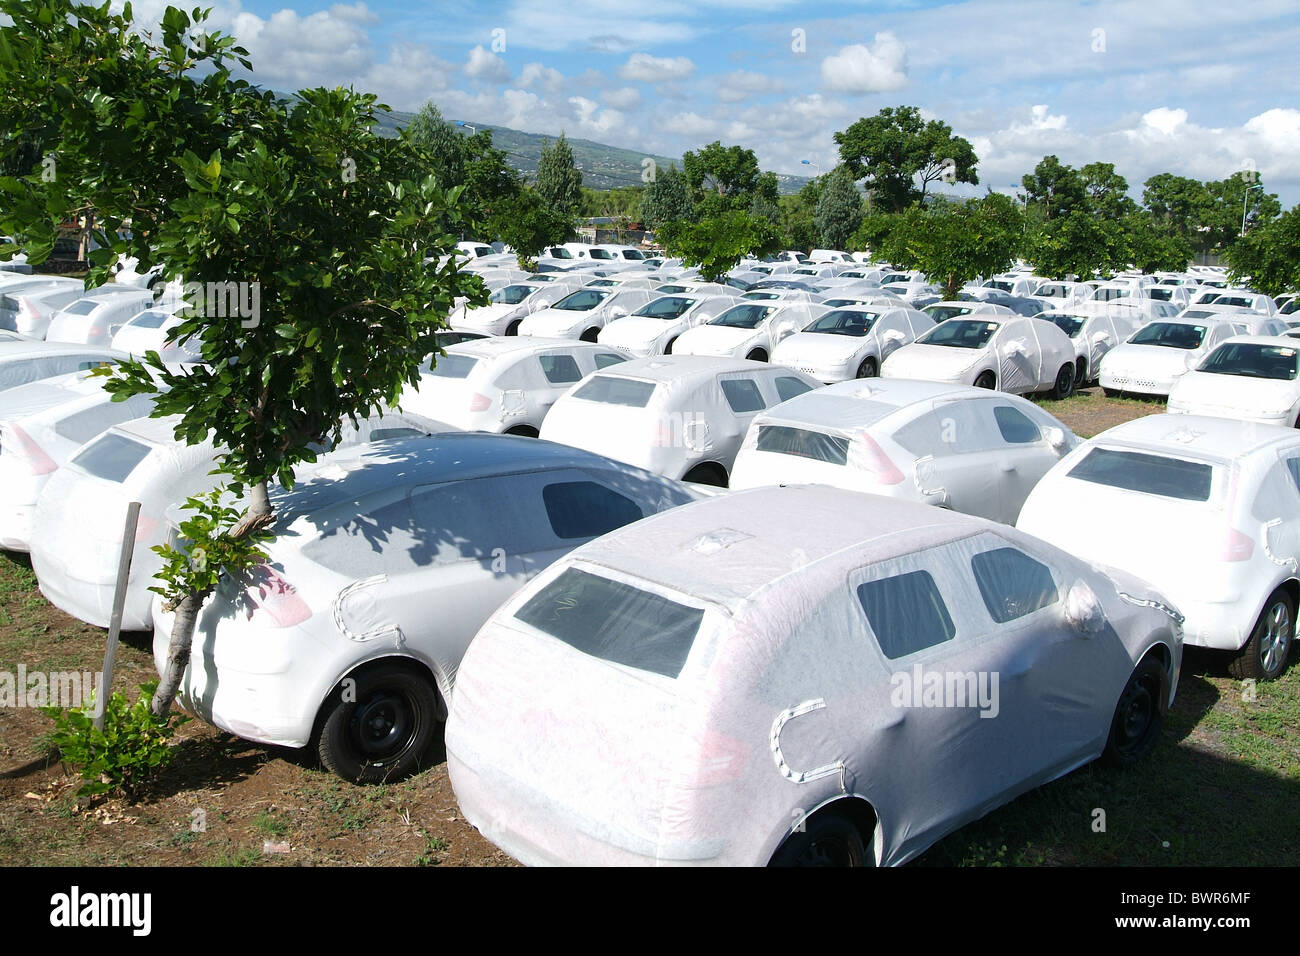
(386, 732)
(758, 355)
(668, 349)
(1139, 715)
(513, 327)
(1080, 374)
(1264, 656)
(589, 335)
(1064, 386)
(986, 380)
(828, 839)
(868, 368)
(707, 473)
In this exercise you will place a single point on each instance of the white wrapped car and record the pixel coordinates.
(349, 639)
(95, 319)
(1246, 378)
(24, 360)
(953, 446)
(1203, 508)
(1016, 355)
(504, 384)
(1094, 333)
(682, 416)
(584, 312)
(799, 675)
(655, 327)
(751, 330)
(1161, 352)
(511, 304)
(852, 342)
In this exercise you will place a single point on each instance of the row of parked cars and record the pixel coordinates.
(638, 666)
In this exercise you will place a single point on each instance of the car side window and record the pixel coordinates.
(606, 359)
(1015, 426)
(906, 613)
(560, 369)
(787, 387)
(1012, 583)
(585, 509)
(1293, 468)
(742, 395)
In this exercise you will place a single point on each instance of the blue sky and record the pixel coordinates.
(1196, 88)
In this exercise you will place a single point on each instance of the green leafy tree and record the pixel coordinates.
(559, 181)
(896, 149)
(839, 209)
(1077, 244)
(300, 205)
(1269, 255)
(1179, 204)
(1106, 191)
(443, 142)
(716, 244)
(529, 224)
(667, 199)
(1055, 188)
(725, 178)
(954, 243)
(1231, 198)
(798, 228)
(1153, 248)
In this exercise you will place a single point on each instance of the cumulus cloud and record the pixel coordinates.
(644, 68)
(742, 84)
(294, 50)
(535, 74)
(691, 125)
(623, 98)
(1164, 120)
(867, 69)
(486, 66)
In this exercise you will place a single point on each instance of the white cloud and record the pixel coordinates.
(536, 74)
(623, 98)
(692, 126)
(1040, 118)
(743, 84)
(289, 49)
(863, 69)
(644, 68)
(486, 66)
(1164, 120)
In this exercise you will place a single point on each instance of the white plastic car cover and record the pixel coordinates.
(23, 361)
(688, 689)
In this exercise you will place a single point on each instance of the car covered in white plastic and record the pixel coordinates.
(682, 416)
(1159, 353)
(656, 326)
(797, 676)
(956, 308)
(1094, 332)
(155, 330)
(503, 384)
(1012, 354)
(389, 558)
(1246, 378)
(23, 360)
(1255, 302)
(94, 319)
(584, 312)
(1205, 509)
(511, 304)
(42, 424)
(751, 330)
(852, 342)
(78, 525)
(952, 446)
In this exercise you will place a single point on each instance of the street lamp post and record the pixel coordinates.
(809, 162)
(1245, 197)
(472, 129)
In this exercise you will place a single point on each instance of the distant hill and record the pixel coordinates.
(603, 166)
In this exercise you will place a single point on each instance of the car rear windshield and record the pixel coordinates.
(845, 322)
(1150, 474)
(112, 457)
(454, 366)
(1170, 335)
(941, 313)
(153, 319)
(612, 390)
(83, 307)
(615, 622)
(785, 440)
(1252, 361)
(961, 333)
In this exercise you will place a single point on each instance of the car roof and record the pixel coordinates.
(1200, 435)
(497, 345)
(18, 349)
(725, 548)
(675, 368)
(833, 405)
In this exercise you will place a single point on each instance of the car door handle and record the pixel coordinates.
(1008, 466)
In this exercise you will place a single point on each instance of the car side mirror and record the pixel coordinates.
(1058, 439)
(1083, 612)
(1100, 338)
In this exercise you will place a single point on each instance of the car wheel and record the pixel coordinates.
(384, 730)
(1138, 715)
(758, 355)
(1064, 386)
(589, 335)
(1265, 654)
(828, 839)
(668, 349)
(707, 473)
(868, 368)
(1080, 374)
(986, 380)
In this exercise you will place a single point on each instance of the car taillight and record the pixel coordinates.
(274, 601)
(721, 759)
(21, 444)
(479, 403)
(1237, 547)
(872, 459)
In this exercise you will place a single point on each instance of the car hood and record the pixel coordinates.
(1235, 391)
(1149, 359)
(713, 340)
(936, 362)
(555, 322)
(636, 331)
(820, 348)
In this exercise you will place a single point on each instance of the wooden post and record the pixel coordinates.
(115, 622)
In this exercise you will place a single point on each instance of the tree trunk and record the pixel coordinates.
(258, 516)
